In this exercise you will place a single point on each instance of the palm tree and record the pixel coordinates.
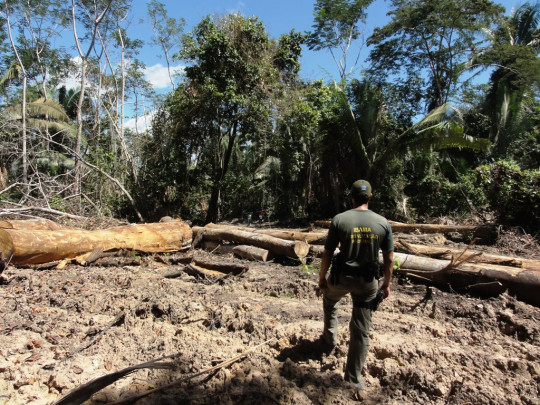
(514, 51)
(44, 116)
(369, 137)
(13, 72)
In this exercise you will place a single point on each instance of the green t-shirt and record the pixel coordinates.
(360, 233)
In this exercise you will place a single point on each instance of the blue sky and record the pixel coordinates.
(278, 16)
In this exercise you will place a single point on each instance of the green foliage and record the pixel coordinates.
(513, 194)
(288, 53)
(308, 268)
(524, 148)
(436, 196)
(336, 22)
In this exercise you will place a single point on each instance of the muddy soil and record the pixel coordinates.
(60, 329)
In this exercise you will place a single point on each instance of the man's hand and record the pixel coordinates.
(386, 290)
(323, 283)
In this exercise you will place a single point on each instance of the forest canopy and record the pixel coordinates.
(242, 131)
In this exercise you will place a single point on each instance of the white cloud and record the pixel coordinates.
(140, 124)
(158, 76)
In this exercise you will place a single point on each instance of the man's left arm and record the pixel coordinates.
(325, 265)
(388, 260)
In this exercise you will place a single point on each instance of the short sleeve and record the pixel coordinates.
(332, 240)
(388, 242)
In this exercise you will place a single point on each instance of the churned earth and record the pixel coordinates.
(249, 339)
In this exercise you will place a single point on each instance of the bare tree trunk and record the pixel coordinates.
(477, 230)
(84, 61)
(23, 102)
(223, 166)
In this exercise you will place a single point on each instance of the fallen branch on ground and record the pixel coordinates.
(84, 392)
(192, 376)
(118, 320)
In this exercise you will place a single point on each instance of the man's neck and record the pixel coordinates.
(363, 207)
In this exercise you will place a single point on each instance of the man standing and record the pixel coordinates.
(360, 233)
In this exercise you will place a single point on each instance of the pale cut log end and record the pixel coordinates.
(301, 249)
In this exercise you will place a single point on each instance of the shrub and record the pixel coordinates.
(512, 194)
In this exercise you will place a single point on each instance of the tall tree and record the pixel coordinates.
(213, 131)
(232, 74)
(336, 28)
(167, 32)
(427, 42)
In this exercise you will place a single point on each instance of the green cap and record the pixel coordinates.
(361, 187)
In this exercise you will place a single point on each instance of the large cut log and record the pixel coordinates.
(279, 247)
(309, 237)
(316, 250)
(523, 283)
(19, 246)
(479, 257)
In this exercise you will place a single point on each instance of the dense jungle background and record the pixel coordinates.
(242, 132)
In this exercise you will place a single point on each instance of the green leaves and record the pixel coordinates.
(442, 128)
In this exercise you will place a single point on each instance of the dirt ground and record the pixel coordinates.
(62, 328)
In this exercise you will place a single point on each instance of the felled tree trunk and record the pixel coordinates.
(479, 257)
(309, 237)
(316, 250)
(218, 248)
(523, 283)
(483, 231)
(19, 246)
(279, 247)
